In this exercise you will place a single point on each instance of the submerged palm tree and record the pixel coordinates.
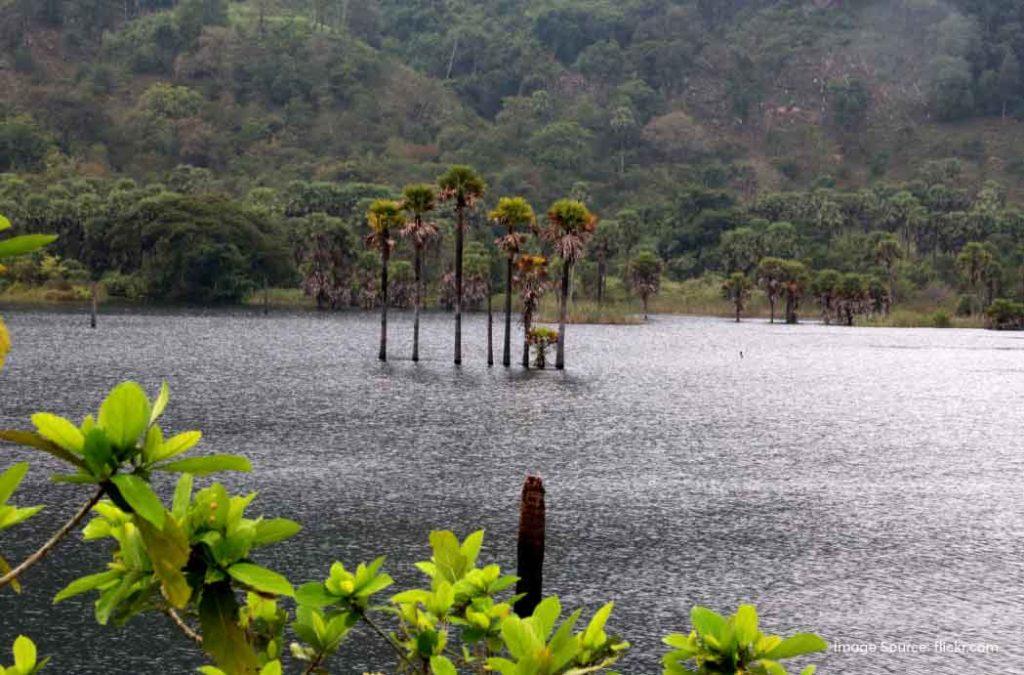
(511, 212)
(463, 186)
(570, 226)
(737, 290)
(532, 280)
(418, 200)
(384, 216)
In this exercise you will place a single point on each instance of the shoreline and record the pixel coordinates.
(582, 312)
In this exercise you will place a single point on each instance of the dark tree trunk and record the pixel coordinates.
(771, 304)
(530, 548)
(266, 297)
(458, 283)
(790, 309)
(563, 310)
(739, 309)
(418, 271)
(506, 353)
(490, 329)
(644, 298)
(601, 272)
(94, 291)
(527, 320)
(384, 255)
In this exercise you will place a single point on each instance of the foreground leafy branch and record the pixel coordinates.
(196, 563)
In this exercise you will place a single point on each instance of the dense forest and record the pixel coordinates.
(196, 149)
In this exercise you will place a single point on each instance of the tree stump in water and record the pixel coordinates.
(530, 550)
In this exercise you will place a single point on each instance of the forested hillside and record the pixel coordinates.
(825, 125)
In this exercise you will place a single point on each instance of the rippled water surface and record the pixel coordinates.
(865, 483)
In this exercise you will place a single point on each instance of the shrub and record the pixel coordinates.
(124, 286)
(941, 319)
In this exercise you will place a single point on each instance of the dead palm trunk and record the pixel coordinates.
(458, 283)
(384, 255)
(562, 313)
(418, 271)
(506, 353)
(530, 546)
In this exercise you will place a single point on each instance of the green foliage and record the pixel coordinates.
(462, 185)
(25, 658)
(120, 447)
(720, 645)
(1003, 313)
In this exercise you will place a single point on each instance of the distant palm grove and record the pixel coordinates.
(199, 150)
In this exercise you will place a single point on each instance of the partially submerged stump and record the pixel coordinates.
(530, 550)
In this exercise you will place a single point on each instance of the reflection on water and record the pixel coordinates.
(864, 483)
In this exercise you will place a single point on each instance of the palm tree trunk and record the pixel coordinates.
(506, 353)
(739, 309)
(418, 270)
(490, 329)
(562, 311)
(383, 356)
(790, 309)
(94, 292)
(644, 298)
(458, 286)
(771, 304)
(527, 320)
(601, 271)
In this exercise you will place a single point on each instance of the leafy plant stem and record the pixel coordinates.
(182, 626)
(45, 549)
(377, 629)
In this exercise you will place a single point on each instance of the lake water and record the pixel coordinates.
(863, 483)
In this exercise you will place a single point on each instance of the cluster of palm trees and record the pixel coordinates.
(568, 227)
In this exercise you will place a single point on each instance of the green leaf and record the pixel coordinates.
(10, 479)
(24, 654)
(182, 496)
(124, 414)
(25, 243)
(313, 594)
(746, 624)
(86, 584)
(797, 645)
(60, 431)
(31, 439)
(596, 625)
(211, 670)
(99, 456)
(5, 224)
(272, 668)
(261, 579)
(5, 567)
(177, 445)
(168, 551)
(161, 402)
(809, 670)
(707, 622)
(140, 497)
(201, 466)
(273, 530)
(223, 639)
(471, 546)
(440, 665)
